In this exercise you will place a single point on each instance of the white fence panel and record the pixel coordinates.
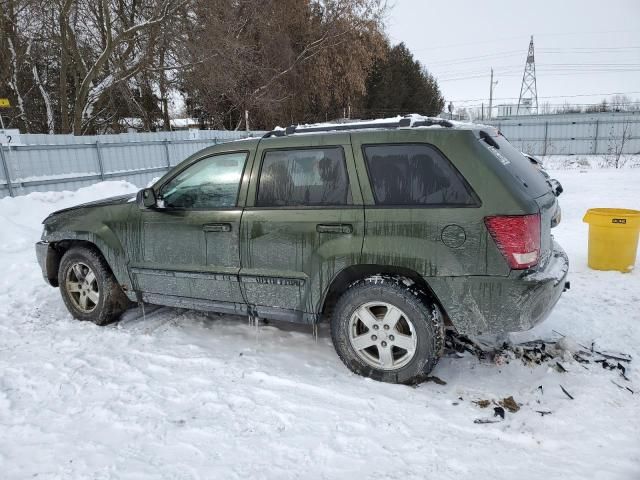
(65, 162)
(579, 134)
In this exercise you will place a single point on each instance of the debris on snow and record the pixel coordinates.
(486, 420)
(510, 404)
(566, 393)
(537, 352)
(621, 387)
(435, 379)
(566, 347)
(560, 368)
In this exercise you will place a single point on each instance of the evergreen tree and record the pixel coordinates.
(399, 84)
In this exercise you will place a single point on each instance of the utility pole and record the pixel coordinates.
(491, 85)
(529, 89)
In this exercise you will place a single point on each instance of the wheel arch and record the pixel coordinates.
(351, 274)
(60, 247)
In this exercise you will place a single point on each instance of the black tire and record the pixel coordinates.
(426, 319)
(112, 301)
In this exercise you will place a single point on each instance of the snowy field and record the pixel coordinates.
(184, 395)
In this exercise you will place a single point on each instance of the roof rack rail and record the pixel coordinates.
(408, 121)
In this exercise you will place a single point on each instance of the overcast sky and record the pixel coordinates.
(583, 48)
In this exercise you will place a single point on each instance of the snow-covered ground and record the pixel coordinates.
(184, 395)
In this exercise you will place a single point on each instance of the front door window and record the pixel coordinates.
(210, 184)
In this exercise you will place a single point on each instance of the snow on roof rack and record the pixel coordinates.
(408, 121)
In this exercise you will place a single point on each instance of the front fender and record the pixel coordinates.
(107, 228)
(107, 243)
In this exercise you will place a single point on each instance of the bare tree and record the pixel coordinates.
(286, 60)
(617, 142)
(128, 36)
(620, 103)
(87, 66)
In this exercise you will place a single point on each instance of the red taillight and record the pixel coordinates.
(517, 237)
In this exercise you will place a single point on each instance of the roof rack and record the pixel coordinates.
(408, 121)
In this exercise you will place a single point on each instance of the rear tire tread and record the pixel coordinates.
(404, 290)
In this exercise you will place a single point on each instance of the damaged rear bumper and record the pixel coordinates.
(543, 289)
(495, 305)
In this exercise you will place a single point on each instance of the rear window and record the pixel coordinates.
(415, 174)
(517, 164)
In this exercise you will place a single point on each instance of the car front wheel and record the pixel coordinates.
(89, 289)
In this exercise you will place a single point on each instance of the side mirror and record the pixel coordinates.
(146, 198)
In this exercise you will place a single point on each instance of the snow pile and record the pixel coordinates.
(21, 216)
(188, 395)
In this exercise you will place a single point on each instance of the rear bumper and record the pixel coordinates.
(542, 289)
(47, 257)
(495, 305)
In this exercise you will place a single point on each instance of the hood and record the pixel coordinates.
(118, 200)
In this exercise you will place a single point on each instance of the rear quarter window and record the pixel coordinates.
(415, 174)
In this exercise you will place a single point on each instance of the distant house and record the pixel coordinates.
(511, 109)
(136, 124)
(185, 124)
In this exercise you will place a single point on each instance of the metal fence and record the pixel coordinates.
(66, 162)
(579, 134)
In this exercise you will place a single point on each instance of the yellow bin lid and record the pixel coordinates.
(613, 217)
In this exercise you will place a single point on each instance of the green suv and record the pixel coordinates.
(390, 230)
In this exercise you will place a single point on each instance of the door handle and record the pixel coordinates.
(335, 228)
(217, 227)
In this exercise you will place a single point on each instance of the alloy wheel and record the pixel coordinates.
(382, 335)
(82, 286)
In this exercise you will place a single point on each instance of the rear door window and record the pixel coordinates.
(517, 164)
(303, 177)
(415, 174)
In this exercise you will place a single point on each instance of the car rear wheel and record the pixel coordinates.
(385, 328)
(88, 287)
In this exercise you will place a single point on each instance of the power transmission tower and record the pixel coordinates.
(491, 85)
(528, 90)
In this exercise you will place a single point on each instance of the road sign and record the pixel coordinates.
(10, 137)
(4, 103)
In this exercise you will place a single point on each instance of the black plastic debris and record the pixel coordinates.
(560, 368)
(538, 352)
(566, 393)
(485, 420)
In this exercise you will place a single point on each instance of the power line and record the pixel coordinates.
(543, 68)
(519, 37)
(553, 96)
(511, 53)
(476, 58)
(587, 49)
(566, 104)
(548, 73)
